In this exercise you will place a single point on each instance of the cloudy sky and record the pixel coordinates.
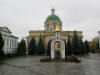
(21, 16)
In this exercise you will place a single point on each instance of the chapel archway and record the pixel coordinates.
(57, 48)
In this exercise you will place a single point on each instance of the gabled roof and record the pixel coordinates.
(14, 36)
(5, 29)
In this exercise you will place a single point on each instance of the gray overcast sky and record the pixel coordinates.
(24, 15)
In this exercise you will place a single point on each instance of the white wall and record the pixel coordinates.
(10, 42)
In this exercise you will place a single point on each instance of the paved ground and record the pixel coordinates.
(30, 65)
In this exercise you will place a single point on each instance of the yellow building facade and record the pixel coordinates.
(52, 25)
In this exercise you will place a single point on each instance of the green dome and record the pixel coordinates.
(52, 17)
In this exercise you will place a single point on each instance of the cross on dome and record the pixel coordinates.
(53, 11)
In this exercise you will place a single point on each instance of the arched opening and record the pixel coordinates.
(57, 45)
(57, 49)
(57, 54)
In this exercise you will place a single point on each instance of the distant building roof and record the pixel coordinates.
(6, 29)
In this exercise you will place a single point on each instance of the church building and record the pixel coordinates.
(54, 34)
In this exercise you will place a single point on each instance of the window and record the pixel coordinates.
(47, 27)
(12, 42)
(7, 43)
(54, 27)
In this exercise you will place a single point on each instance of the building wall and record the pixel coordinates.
(10, 42)
(51, 25)
(48, 35)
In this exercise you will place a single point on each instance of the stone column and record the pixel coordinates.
(4, 42)
(6, 45)
(63, 50)
(52, 50)
(9, 44)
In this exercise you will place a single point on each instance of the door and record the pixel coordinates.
(57, 54)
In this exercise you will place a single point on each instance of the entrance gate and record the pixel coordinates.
(57, 48)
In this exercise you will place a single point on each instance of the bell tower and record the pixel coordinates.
(53, 22)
